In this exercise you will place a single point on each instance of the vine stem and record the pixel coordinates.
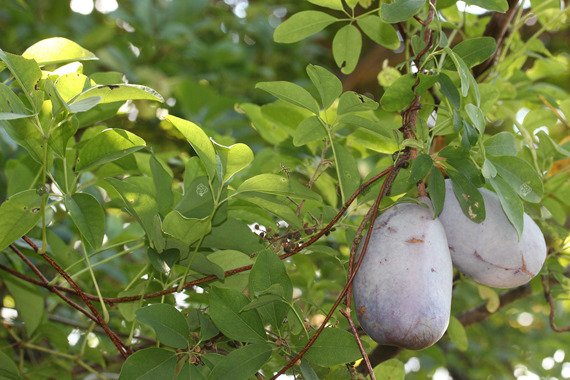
(45, 283)
(346, 313)
(231, 272)
(383, 190)
(552, 304)
(123, 350)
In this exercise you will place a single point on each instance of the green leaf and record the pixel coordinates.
(307, 371)
(128, 309)
(164, 261)
(462, 70)
(420, 167)
(550, 147)
(190, 371)
(109, 145)
(399, 95)
(351, 3)
(476, 116)
(391, 369)
(139, 195)
(510, 202)
(263, 301)
(202, 264)
(469, 197)
(449, 90)
(457, 334)
(492, 5)
(70, 85)
(268, 271)
(291, 93)
(436, 190)
(331, 4)
(347, 170)
(57, 50)
(163, 185)
(277, 185)
(326, 83)
(234, 159)
(232, 234)
(29, 302)
(26, 72)
(346, 47)
(84, 105)
(274, 206)
(26, 134)
(400, 10)
(229, 259)
(309, 130)
(334, 346)
(121, 92)
(488, 169)
(242, 363)
(149, 364)
(11, 107)
(501, 144)
(521, 176)
(20, 213)
(356, 121)
(168, 323)
(198, 201)
(88, 216)
(352, 102)
(199, 141)
(187, 230)
(225, 306)
(473, 51)
(380, 32)
(302, 25)
(8, 369)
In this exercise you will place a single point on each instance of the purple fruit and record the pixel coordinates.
(490, 252)
(402, 292)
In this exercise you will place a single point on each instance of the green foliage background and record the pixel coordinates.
(205, 62)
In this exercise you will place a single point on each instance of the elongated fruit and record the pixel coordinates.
(490, 252)
(402, 291)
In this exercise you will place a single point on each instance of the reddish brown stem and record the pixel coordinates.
(346, 313)
(44, 281)
(203, 280)
(498, 28)
(552, 304)
(385, 187)
(123, 350)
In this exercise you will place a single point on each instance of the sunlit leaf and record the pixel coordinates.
(57, 50)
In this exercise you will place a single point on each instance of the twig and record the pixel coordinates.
(44, 282)
(385, 186)
(555, 111)
(346, 313)
(497, 28)
(552, 304)
(206, 279)
(123, 350)
(70, 322)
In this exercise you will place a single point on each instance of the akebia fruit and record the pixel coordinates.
(490, 252)
(402, 291)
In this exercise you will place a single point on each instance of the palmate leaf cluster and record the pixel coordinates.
(127, 211)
